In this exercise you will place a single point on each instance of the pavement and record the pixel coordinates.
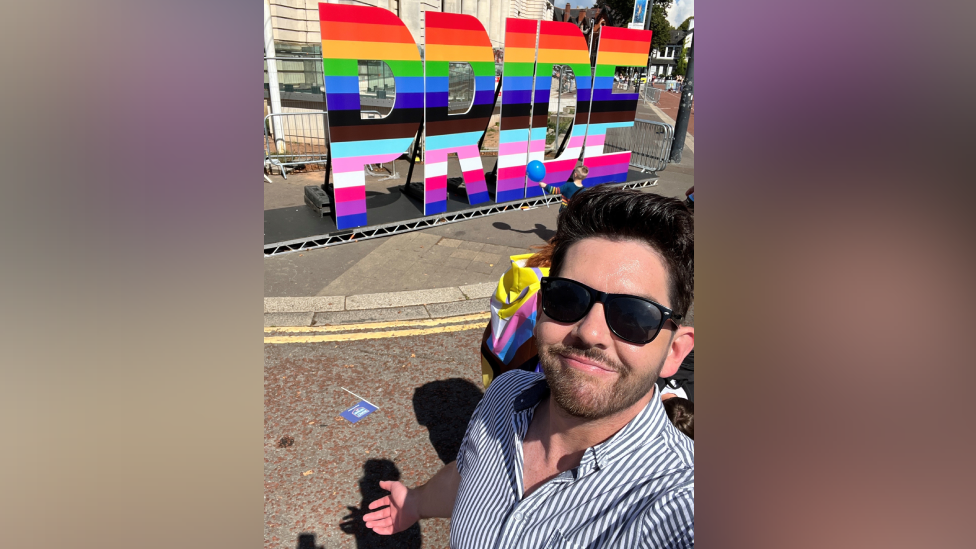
(439, 272)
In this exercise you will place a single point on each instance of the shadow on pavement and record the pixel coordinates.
(374, 471)
(445, 407)
(540, 230)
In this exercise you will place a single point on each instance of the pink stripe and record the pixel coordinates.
(468, 151)
(595, 140)
(474, 176)
(356, 163)
(576, 141)
(349, 194)
(350, 208)
(437, 182)
(512, 148)
(509, 184)
(511, 171)
(436, 156)
(539, 145)
(564, 164)
(518, 318)
(605, 159)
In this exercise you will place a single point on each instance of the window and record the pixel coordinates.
(377, 90)
(460, 88)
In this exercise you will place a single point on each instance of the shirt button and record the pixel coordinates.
(518, 517)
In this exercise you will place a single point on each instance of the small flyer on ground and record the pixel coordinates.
(358, 411)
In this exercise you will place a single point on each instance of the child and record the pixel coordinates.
(568, 189)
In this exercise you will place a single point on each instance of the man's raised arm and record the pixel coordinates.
(406, 506)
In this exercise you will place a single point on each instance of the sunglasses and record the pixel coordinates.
(631, 318)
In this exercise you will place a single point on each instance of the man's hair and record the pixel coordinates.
(681, 412)
(665, 224)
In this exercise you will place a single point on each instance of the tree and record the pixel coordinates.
(684, 24)
(681, 63)
(660, 26)
(619, 12)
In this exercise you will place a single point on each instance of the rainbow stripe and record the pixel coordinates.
(619, 47)
(513, 136)
(351, 33)
(451, 37)
(560, 43)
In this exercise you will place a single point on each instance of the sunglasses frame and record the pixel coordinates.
(604, 298)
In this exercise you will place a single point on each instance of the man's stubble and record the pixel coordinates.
(582, 395)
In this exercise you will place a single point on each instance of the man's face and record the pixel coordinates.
(592, 373)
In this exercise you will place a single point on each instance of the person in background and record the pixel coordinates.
(681, 412)
(568, 189)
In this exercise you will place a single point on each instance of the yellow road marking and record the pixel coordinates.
(378, 325)
(371, 335)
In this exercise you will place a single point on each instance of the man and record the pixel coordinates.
(583, 456)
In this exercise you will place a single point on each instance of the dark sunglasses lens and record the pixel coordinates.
(565, 301)
(634, 320)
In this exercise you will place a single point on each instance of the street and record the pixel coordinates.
(321, 471)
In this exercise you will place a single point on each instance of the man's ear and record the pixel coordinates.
(681, 344)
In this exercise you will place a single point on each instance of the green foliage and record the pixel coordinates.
(660, 26)
(681, 63)
(684, 24)
(619, 12)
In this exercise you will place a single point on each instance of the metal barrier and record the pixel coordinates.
(650, 94)
(649, 143)
(301, 139)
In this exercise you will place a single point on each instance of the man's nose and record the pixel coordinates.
(592, 329)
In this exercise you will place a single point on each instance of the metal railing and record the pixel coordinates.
(650, 94)
(649, 143)
(292, 139)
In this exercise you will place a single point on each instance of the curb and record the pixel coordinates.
(689, 139)
(411, 305)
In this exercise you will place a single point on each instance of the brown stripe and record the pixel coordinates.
(341, 134)
(614, 116)
(514, 122)
(457, 126)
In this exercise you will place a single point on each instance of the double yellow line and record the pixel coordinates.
(375, 330)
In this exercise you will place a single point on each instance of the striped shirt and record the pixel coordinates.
(636, 489)
(567, 190)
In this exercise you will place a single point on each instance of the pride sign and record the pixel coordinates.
(352, 33)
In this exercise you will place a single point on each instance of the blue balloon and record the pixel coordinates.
(536, 171)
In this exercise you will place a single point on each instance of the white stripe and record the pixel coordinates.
(434, 170)
(349, 179)
(509, 160)
(471, 164)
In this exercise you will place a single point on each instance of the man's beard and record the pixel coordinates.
(581, 395)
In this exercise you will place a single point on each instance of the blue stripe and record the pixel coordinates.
(609, 178)
(409, 84)
(484, 83)
(508, 196)
(409, 101)
(516, 82)
(434, 142)
(478, 198)
(342, 84)
(437, 84)
(376, 146)
(484, 97)
(351, 221)
(513, 136)
(432, 208)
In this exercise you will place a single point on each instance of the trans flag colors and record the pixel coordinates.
(351, 33)
(618, 48)
(513, 136)
(451, 37)
(560, 43)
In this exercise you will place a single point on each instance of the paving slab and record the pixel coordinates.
(403, 299)
(414, 312)
(303, 304)
(457, 308)
(475, 291)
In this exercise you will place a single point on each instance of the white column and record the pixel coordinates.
(269, 51)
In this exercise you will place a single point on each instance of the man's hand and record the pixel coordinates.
(401, 514)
